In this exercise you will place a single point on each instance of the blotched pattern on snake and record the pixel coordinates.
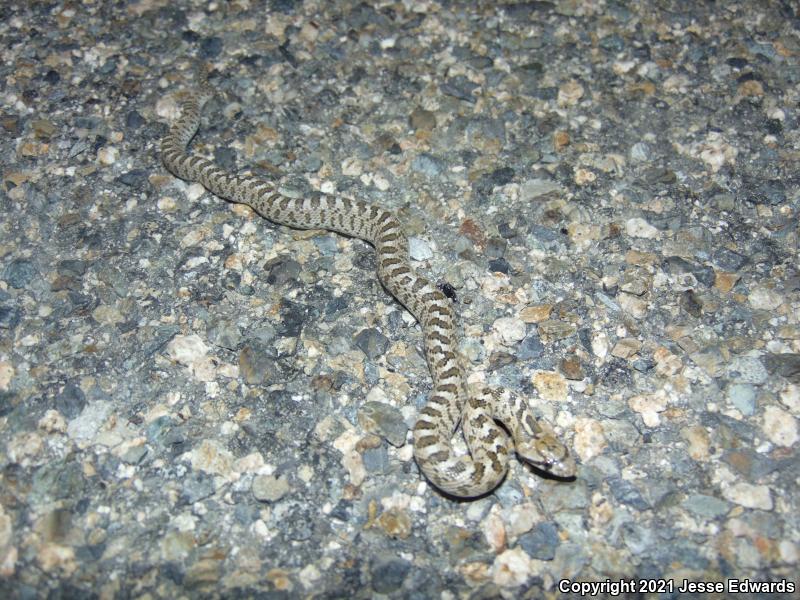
(450, 402)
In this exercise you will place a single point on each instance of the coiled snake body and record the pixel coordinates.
(464, 476)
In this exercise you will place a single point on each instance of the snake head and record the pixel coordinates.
(546, 453)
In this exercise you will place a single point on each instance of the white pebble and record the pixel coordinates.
(749, 495)
(511, 329)
(419, 249)
(779, 426)
(638, 227)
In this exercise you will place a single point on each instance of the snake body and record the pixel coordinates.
(489, 447)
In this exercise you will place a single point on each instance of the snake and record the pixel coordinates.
(487, 415)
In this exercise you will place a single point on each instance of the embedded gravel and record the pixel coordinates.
(195, 402)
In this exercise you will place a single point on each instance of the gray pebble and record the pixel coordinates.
(743, 397)
(70, 400)
(20, 272)
(531, 347)
(459, 87)
(326, 244)
(541, 542)
(376, 460)
(388, 574)
(384, 420)
(269, 488)
(747, 369)
(706, 506)
(785, 365)
(197, 485)
(371, 342)
(427, 165)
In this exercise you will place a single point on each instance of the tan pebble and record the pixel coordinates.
(512, 568)
(790, 398)
(572, 368)
(521, 518)
(699, 442)
(8, 560)
(33, 149)
(715, 151)
(24, 447)
(600, 344)
(632, 305)
(640, 259)
(234, 262)
(52, 422)
(569, 93)
(422, 119)
(535, 313)
(788, 552)
(475, 572)
(550, 385)
(494, 532)
(601, 510)
(352, 167)
(167, 204)
(590, 440)
(194, 237)
(107, 315)
(635, 282)
(351, 459)
(204, 571)
(626, 348)
(185, 349)
(553, 329)
(584, 176)
(396, 523)
(212, 457)
(751, 88)
(583, 234)
(648, 406)
(108, 155)
(7, 373)
(56, 558)
(724, 282)
(560, 140)
(309, 575)
(667, 363)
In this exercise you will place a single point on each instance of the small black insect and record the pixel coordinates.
(448, 290)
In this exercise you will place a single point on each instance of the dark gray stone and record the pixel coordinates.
(384, 420)
(728, 260)
(541, 542)
(282, 270)
(70, 401)
(459, 87)
(625, 492)
(376, 460)
(371, 342)
(388, 574)
(9, 317)
(197, 485)
(785, 365)
(428, 165)
(20, 272)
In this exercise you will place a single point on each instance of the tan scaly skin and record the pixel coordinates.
(465, 476)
